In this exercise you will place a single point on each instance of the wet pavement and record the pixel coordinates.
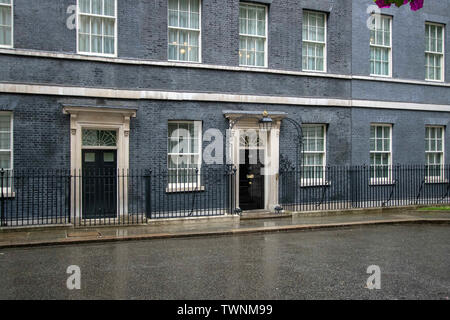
(209, 227)
(323, 264)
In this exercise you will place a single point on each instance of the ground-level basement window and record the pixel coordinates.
(184, 153)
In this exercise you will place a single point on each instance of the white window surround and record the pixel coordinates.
(90, 53)
(435, 52)
(374, 179)
(321, 180)
(11, 5)
(375, 45)
(316, 42)
(189, 30)
(254, 36)
(432, 139)
(8, 189)
(180, 135)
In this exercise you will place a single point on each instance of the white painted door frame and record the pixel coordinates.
(99, 118)
(271, 153)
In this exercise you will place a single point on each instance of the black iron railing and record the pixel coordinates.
(345, 187)
(90, 198)
(34, 197)
(113, 197)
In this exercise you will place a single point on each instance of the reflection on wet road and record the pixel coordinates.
(414, 262)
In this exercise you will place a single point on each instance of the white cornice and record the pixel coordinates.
(14, 88)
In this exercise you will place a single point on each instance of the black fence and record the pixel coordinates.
(346, 187)
(34, 197)
(112, 197)
(115, 197)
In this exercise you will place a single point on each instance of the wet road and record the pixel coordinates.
(329, 264)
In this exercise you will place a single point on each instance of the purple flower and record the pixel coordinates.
(416, 4)
(382, 4)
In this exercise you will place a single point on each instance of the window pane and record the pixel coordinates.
(184, 18)
(5, 140)
(108, 27)
(84, 43)
(184, 5)
(85, 24)
(97, 7)
(109, 45)
(173, 4)
(262, 28)
(5, 160)
(195, 21)
(5, 123)
(110, 9)
(173, 18)
(5, 16)
(85, 6)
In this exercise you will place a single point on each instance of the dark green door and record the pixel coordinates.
(251, 182)
(99, 180)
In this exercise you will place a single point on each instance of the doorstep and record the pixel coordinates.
(193, 220)
(263, 214)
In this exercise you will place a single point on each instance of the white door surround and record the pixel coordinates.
(99, 118)
(242, 120)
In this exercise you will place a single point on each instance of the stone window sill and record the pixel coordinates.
(181, 189)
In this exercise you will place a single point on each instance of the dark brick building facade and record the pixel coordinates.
(43, 73)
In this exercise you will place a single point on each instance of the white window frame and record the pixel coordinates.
(435, 53)
(79, 14)
(181, 186)
(12, 24)
(199, 30)
(376, 18)
(307, 182)
(266, 47)
(382, 180)
(441, 177)
(8, 190)
(324, 43)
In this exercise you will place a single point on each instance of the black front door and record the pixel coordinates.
(99, 176)
(251, 182)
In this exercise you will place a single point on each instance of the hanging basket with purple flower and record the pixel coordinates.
(415, 4)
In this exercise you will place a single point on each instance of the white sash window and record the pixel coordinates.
(184, 30)
(434, 52)
(253, 35)
(6, 23)
(97, 27)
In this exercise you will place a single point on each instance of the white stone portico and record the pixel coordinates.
(99, 118)
(241, 121)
